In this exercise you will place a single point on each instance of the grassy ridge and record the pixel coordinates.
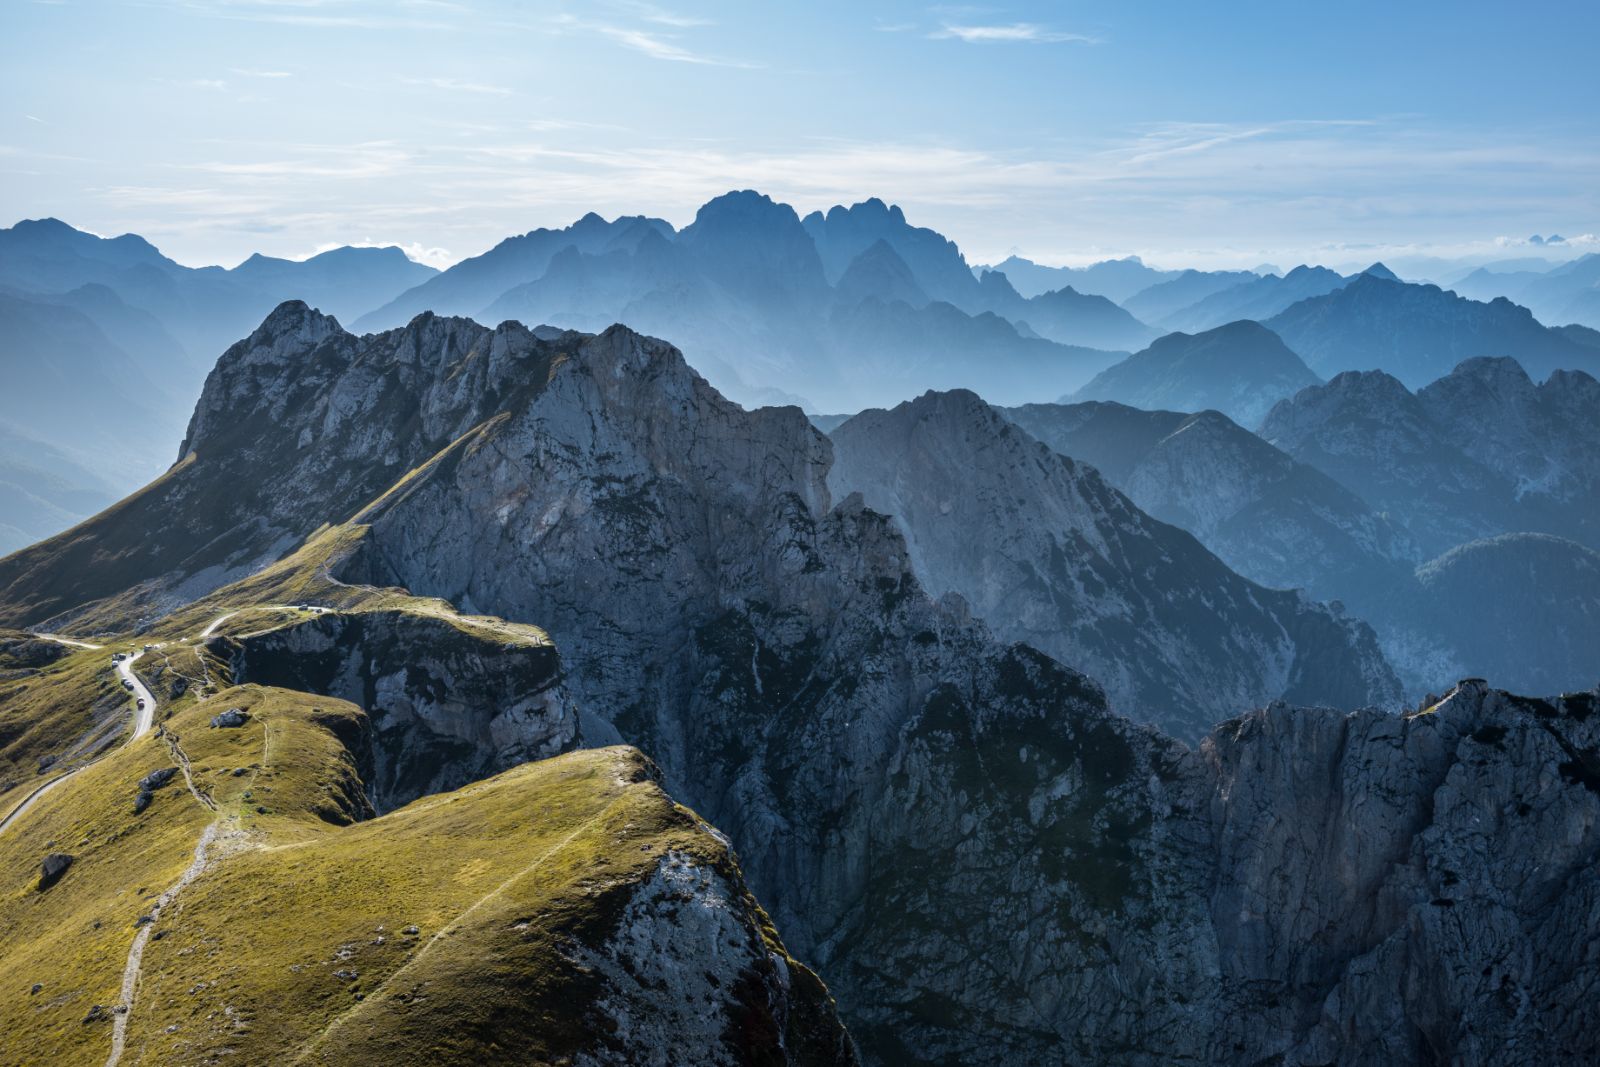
(296, 943)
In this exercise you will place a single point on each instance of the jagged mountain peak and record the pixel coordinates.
(293, 321)
(1498, 371)
(1356, 387)
(741, 208)
(870, 209)
(1240, 368)
(1030, 538)
(997, 286)
(1378, 270)
(843, 233)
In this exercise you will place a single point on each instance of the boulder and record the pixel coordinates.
(54, 866)
(233, 717)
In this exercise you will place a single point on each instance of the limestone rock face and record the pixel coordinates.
(446, 707)
(986, 863)
(686, 973)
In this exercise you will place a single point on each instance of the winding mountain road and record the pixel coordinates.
(144, 718)
(144, 714)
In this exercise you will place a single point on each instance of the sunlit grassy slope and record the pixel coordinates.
(442, 932)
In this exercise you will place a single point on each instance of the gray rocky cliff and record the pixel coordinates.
(449, 701)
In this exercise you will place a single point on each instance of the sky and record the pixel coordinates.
(1204, 134)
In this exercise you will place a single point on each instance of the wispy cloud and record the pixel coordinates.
(1236, 194)
(210, 84)
(452, 85)
(659, 16)
(330, 14)
(656, 45)
(244, 73)
(1010, 33)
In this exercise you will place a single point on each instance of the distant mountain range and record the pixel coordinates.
(1359, 483)
(1565, 293)
(106, 343)
(43, 491)
(1480, 452)
(1165, 299)
(1259, 299)
(1273, 519)
(1419, 332)
(1114, 279)
(838, 311)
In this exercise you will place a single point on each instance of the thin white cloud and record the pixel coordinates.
(327, 14)
(659, 16)
(211, 84)
(655, 45)
(1010, 33)
(244, 73)
(1181, 194)
(453, 85)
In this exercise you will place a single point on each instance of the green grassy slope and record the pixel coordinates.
(452, 930)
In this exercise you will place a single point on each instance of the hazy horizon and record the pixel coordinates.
(1188, 137)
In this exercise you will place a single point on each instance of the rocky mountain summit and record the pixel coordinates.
(984, 862)
(1273, 519)
(1048, 553)
(1240, 369)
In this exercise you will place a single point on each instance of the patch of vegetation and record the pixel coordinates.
(56, 718)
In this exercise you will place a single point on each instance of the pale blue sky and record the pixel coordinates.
(1206, 133)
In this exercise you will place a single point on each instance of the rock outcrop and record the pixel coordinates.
(450, 700)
